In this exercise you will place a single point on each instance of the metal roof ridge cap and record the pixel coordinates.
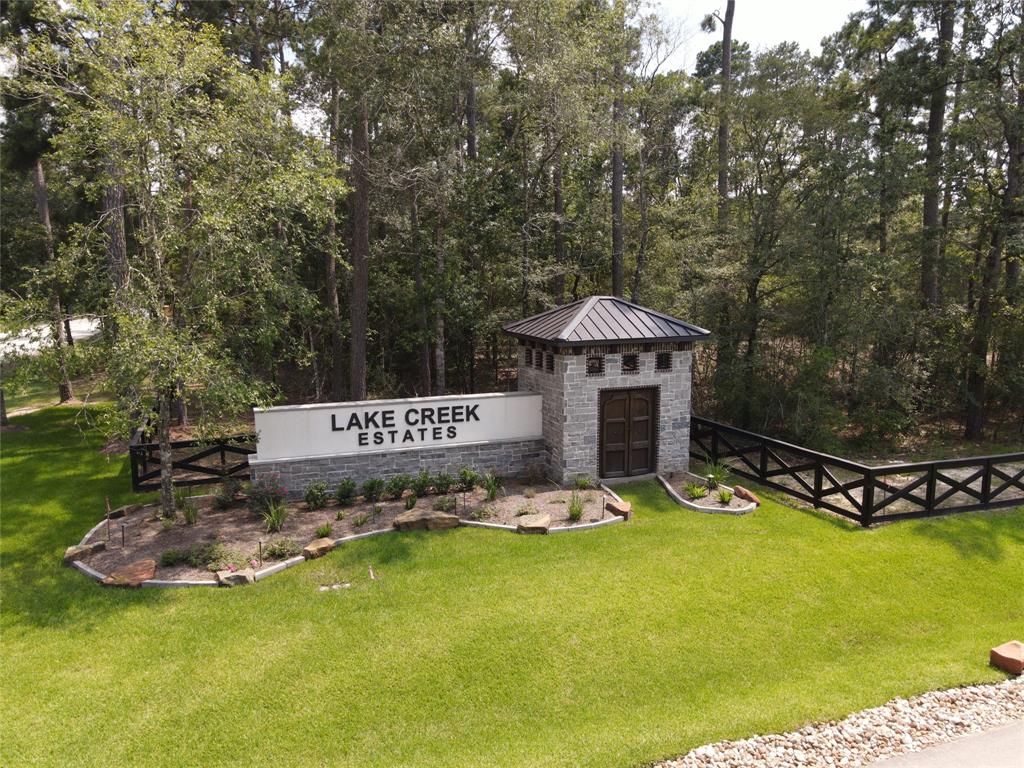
(578, 318)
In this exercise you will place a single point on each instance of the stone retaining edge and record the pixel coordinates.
(750, 507)
(270, 570)
(610, 492)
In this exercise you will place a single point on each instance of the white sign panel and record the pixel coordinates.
(370, 426)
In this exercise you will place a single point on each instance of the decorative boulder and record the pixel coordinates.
(1008, 657)
(425, 520)
(79, 551)
(236, 578)
(317, 548)
(538, 523)
(131, 575)
(127, 509)
(623, 509)
(740, 492)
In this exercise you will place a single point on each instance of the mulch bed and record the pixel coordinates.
(240, 531)
(678, 481)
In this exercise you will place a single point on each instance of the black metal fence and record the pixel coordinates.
(860, 492)
(194, 462)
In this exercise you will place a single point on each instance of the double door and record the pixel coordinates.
(628, 432)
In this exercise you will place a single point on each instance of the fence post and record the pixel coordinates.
(930, 491)
(986, 482)
(763, 464)
(867, 503)
(817, 484)
(714, 445)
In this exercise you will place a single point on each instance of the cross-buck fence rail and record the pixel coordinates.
(860, 492)
(194, 462)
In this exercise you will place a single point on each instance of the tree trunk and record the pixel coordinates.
(439, 308)
(421, 297)
(58, 330)
(166, 455)
(117, 247)
(4, 421)
(358, 304)
(723, 118)
(558, 284)
(471, 84)
(617, 181)
(933, 159)
(645, 226)
(337, 388)
(977, 364)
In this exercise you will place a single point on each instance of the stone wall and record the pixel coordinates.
(572, 407)
(506, 458)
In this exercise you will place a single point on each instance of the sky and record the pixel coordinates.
(760, 23)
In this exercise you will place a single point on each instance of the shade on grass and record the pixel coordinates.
(610, 647)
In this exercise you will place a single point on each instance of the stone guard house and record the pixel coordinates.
(615, 379)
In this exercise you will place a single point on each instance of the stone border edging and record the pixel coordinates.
(750, 506)
(270, 570)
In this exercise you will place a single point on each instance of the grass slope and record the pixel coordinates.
(606, 648)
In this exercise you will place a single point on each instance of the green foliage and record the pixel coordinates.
(695, 490)
(718, 473)
(446, 504)
(190, 512)
(582, 483)
(346, 492)
(373, 488)
(226, 493)
(724, 496)
(316, 495)
(213, 556)
(491, 483)
(281, 549)
(410, 501)
(396, 486)
(422, 483)
(266, 492)
(361, 519)
(324, 531)
(575, 508)
(443, 483)
(274, 516)
(469, 478)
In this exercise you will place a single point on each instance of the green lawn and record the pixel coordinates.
(612, 647)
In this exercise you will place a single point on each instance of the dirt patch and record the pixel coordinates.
(235, 534)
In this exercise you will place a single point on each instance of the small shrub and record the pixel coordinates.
(491, 483)
(274, 516)
(582, 483)
(717, 473)
(373, 488)
(345, 493)
(396, 486)
(324, 531)
(190, 512)
(340, 515)
(268, 491)
(724, 496)
(316, 495)
(361, 519)
(172, 557)
(166, 523)
(410, 501)
(695, 490)
(281, 549)
(217, 557)
(481, 513)
(226, 493)
(529, 493)
(443, 483)
(468, 479)
(182, 496)
(377, 510)
(526, 509)
(576, 507)
(445, 504)
(422, 483)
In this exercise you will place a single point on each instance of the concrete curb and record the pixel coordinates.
(284, 565)
(750, 506)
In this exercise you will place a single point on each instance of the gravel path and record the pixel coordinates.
(898, 726)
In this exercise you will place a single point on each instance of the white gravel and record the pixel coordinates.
(901, 725)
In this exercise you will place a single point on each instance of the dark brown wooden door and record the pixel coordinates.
(628, 432)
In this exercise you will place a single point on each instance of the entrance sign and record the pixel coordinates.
(374, 426)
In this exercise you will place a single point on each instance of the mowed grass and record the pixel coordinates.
(612, 647)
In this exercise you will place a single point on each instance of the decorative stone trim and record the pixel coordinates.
(270, 570)
(749, 507)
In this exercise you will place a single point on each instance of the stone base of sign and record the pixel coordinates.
(508, 458)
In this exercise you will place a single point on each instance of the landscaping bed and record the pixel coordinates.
(234, 531)
(692, 491)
